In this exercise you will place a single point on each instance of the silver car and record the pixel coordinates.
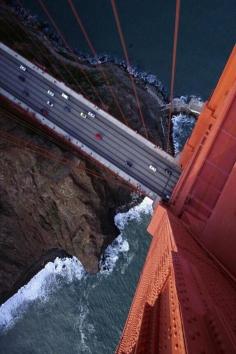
(50, 103)
(154, 169)
(83, 115)
(50, 93)
(22, 67)
(91, 114)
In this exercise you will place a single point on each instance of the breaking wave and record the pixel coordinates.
(120, 244)
(182, 127)
(40, 287)
(50, 278)
(133, 70)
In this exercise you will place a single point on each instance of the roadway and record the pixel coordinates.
(118, 143)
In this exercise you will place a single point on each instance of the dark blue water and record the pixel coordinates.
(206, 38)
(63, 310)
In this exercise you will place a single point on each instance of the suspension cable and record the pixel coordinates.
(78, 19)
(122, 39)
(23, 144)
(64, 41)
(47, 154)
(176, 31)
(68, 47)
(40, 49)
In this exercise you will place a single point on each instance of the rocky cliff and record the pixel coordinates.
(53, 202)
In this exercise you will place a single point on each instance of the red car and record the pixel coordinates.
(44, 112)
(98, 136)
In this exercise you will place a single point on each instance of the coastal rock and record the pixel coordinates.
(51, 201)
(49, 208)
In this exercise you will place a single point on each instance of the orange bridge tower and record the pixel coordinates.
(185, 301)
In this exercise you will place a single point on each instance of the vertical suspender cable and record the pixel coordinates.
(37, 46)
(176, 31)
(69, 49)
(118, 25)
(78, 19)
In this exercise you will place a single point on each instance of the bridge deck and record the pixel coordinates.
(119, 143)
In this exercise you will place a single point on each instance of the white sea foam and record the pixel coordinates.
(68, 269)
(39, 287)
(84, 329)
(145, 207)
(182, 128)
(120, 244)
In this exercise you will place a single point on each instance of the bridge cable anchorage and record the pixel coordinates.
(68, 47)
(176, 31)
(37, 46)
(122, 40)
(79, 21)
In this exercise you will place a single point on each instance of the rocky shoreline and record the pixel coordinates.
(48, 208)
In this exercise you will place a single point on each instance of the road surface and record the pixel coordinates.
(103, 134)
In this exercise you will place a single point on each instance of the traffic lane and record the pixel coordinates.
(53, 88)
(125, 150)
(124, 168)
(103, 149)
(140, 180)
(46, 84)
(118, 151)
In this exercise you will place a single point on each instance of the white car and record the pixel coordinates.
(83, 115)
(22, 67)
(50, 93)
(50, 103)
(154, 169)
(91, 114)
(64, 95)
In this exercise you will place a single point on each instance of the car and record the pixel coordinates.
(83, 115)
(50, 103)
(67, 109)
(91, 114)
(22, 67)
(22, 78)
(64, 95)
(165, 198)
(25, 92)
(154, 169)
(168, 172)
(98, 136)
(44, 112)
(50, 93)
(129, 163)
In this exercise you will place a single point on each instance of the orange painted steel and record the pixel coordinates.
(205, 195)
(208, 115)
(185, 301)
(154, 320)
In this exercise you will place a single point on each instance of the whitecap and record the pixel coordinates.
(120, 245)
(49, 279)
(145, 207)
(39, 287)
(182, 128)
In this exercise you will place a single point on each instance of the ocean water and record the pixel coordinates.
(207, 34)
(65, 310)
